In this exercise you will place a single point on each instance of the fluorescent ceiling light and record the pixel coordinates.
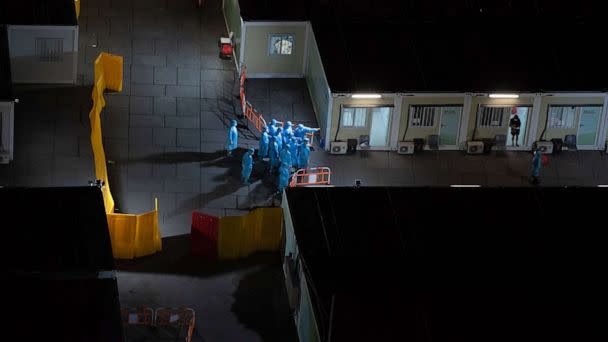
(366, 96)
(464, 186)
(603, 186)
(504, 96)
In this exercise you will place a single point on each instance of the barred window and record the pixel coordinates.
(562, 117)
(423, 116)
(493, 116)
(281, 44)
(49, 49)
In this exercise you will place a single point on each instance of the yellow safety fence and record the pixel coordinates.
(241, 236)
(132, 235)
(77, 6)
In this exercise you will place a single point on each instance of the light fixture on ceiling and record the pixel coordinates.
(504, 96)
(465, 186)
(366, 96)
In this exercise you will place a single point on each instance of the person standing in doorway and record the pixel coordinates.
(515, 124)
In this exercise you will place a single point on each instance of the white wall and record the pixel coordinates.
(25, 66)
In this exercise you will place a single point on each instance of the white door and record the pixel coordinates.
(450, 124)
(381, 122)
(587, 128)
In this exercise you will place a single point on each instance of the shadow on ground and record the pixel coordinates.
(175, 258)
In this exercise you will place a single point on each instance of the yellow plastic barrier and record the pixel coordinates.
(241, 236)
(77, 5)
(132, 235)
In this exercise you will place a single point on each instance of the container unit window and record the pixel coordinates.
(423, 116)
(281, 44)
(354, 117)
(493, 116)
(49, 49)
(562, 117)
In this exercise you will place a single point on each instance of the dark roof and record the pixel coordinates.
(55, 230)
(446, 264)
(57, 265)
(38, 12)
(452, 45)
(5, 67)
(54, 309)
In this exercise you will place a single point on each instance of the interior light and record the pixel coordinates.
(366, 96)
(603, 186)
(504, 96)
(465, 186)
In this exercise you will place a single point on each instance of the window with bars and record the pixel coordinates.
(355, 117)
(493, 116)
(562, 117)
(49, 49)
(423, 116)
(281, 44)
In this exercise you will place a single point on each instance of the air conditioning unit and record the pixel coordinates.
(546, 147)
(338, 147)
(474, 147)
(405, 147)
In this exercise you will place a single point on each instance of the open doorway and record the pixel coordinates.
(517, 128)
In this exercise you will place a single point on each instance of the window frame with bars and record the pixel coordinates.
(49, 49)
(424, 121)
(282, 37)
(504, 111)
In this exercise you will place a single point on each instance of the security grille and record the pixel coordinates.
(492, 116)
(49, 49)
(423, 116)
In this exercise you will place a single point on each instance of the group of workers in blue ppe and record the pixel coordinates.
(286, 148)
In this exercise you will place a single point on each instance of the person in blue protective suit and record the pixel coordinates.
(285, 155)
(294, 146)
(264, 141)
(273, 154)
(233, 138)
(288, 128)
(283, 177)
(303, 154)
(536, 166)
(301, 130)
(279, 138)
(272, 130)
(247, 165)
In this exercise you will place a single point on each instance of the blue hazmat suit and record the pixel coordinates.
(279, 139)
(286, 156)
(287, 137)
(233, 137)
(272, 130)
(303, 154)
(288, 128)
(283, 177)
(536, 164)
(273, 155)
(301, 130)
(247, 165)
(264, 141)
(294, 146)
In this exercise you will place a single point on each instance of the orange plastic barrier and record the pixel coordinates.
(131, 235)
(312, 176)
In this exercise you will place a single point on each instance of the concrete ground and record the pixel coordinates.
(164, 136)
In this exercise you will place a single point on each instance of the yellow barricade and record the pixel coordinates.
(77, 6)
(241, 236)
(131, 235)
